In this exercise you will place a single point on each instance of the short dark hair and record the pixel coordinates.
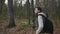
(39, 8)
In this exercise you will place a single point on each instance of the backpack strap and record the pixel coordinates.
(41, 15)
(44, 18)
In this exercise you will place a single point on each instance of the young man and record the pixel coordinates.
(39, 20)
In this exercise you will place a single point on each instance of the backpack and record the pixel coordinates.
(48, 25)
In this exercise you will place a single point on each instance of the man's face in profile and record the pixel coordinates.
(36, 10)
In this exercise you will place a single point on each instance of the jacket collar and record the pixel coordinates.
(43, 14)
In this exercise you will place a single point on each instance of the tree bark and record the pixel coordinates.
(28, 11)
(32, 7)
(37, 3)
(1, 5)
(11, 14)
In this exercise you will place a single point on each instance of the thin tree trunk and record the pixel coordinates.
(28, 11)
(32, 7)
(11, 14)
(37, 3)
(20, 8)
(1, 5)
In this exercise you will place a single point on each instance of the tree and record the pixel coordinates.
(32, 7)
(15, 7)
(28, 10)
(33, 16)
(20, 6)
(1, 5)
(37, 3)
(11, 14)
(58, 8)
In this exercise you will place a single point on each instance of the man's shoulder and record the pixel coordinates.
(42, 14)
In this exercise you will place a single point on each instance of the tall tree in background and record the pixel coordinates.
(33, 15)
(15, 5)
(20, 5)
(58, 8)
(37, 3)
(1, 5)
(11, 14)
(28, 10)
(20, 8)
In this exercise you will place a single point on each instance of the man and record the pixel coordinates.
(39, 20)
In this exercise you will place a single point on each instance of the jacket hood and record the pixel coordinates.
(43, 14)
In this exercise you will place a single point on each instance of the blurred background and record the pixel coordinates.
(20, 13)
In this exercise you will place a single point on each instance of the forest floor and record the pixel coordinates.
(27, 30)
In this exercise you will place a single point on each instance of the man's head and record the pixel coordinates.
(37, 10)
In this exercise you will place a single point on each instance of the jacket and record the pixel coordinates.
(40, 22)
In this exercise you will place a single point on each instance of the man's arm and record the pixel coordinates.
(40, 23)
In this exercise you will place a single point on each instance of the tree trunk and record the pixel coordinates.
(37, 3)
(28, 11)
(1, 5)
(11, 14)
(32, 7)
(33, 16)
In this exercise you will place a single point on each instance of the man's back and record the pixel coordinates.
(47, 24)
(40, 22)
